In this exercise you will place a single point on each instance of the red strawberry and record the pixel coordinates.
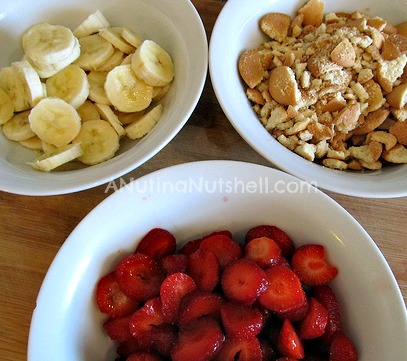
(224, 247)
(277, 234)
(111, 299)
(243, 281)
(172, 291)
(224, 232)
(264, 251)
(199, 304)
(139, 276)
(157, 243)
(310, 263)
(118, 328)
(126, 348)
(190, 247)
(288, 343)
(296, 314)
(144, 356)
(234, 349)
(174, 263)
(342, 348)
(284, 292)
(240, 321)
(163, 338)
(314, 323)
(200, 340)
(203, 266)
(326, 296)
(144, 321)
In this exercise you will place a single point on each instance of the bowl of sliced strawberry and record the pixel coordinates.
(219, 260)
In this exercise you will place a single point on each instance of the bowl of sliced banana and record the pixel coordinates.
(89, 92)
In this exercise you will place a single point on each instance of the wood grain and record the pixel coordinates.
(32, 229)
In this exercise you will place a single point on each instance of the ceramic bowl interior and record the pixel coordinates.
(237, 29)
(175, 25)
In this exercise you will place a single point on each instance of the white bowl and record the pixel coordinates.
(175, 25)
(237, 29)
(191, 200)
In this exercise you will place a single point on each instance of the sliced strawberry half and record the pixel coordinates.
(199, 304)
(144, 356)
(118, 328)
(224, 247)
(240, 321)
(157, 243)
(275, 233)
(200, 340)
(174, 263)
(289, 343)
(243, 281)
(314, 323)
(223, 232)
(139, 276)
(326, 296)
(311, 265)
(111, 299)
(204, 267)
(284, 292)
(264, 251)
(342, 348)
(190, 247)
(144, 321)
(234, 349)
(172, 291)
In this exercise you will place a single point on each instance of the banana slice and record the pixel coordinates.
(18, 127)
(6, 107)
(88, 111)
(30, 80)
(13, 86)
(99, 141)
(128, 118)
(33, 143)
(115, 60)
(160, 92)
(47, 43)
(107, 114)
(55, 121)
(114, 36)
(94, 52)
(142, 126)
(151, 63)
(97, 91)
(70, 84)
(91, 25)
(131, 37)
(57, 157)
(126, 91)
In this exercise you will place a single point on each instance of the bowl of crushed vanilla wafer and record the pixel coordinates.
(90, 91)
(318, 88)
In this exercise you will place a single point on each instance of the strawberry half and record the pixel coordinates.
(144, 356)
(111, 299)
(199, 304)
(224, 248)
(234, 349)
(190, 247)
(172, 291)
(139, 276)
(200, 340)
(284, 292)
(243, 281)
(118, 328)
(241, 321)
(264, 251)
(203, 266)
(275, 233)
(289, 343)
(314, 323)
(326, 296)
(173, 263)
(157, 243)
(310, 263)
(342, 348)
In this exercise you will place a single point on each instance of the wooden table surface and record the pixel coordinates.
(32, 229)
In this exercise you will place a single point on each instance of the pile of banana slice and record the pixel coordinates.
(76, 94)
